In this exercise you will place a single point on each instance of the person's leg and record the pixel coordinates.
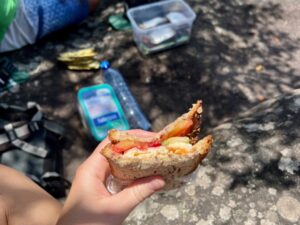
(24, 202)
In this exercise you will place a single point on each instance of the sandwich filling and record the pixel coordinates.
(174, 140)
(176, 145)
(178, 137)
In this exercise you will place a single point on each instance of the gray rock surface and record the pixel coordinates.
(250, 177)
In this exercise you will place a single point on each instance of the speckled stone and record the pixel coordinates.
(170, 212)
(251, 177)
(225, 213)
(289, 208)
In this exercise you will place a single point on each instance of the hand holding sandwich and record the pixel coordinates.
(89, 202)
(134, 157)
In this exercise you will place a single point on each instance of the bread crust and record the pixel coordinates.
(194, 114)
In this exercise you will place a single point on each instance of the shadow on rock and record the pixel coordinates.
(261, 147)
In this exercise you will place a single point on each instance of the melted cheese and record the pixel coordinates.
(179, 148)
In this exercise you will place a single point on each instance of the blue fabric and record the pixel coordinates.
(53, 15)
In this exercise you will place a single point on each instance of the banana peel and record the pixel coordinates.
(89, 52)
(91, 66)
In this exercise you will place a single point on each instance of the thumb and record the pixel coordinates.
(137, 192)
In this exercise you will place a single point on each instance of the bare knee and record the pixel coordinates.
(3, 207)
(93, 4)
(25, 201)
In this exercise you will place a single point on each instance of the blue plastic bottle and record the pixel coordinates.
(132, 111)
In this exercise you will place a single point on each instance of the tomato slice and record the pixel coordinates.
(179, 129)
(155, 143)
(123, 146)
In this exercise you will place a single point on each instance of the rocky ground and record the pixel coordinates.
(241, 53)
(250, 177)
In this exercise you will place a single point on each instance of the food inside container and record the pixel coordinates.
(153, 22)
(176, 18)
(172, 17)
(159, 36)
(161, 25)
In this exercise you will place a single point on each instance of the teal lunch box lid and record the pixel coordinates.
(101, 110)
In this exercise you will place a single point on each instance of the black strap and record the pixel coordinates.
(29, 148)
(14, 134)
(4, 74)
(30, 121)
(55, 184)
(22, 124)
(4, 79)
(14, 137)
(17, 113)
(53, 127)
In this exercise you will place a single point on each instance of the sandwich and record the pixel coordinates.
(173, 152)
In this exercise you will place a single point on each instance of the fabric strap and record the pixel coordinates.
(14, 134)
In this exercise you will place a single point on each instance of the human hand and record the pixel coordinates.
(90, 203)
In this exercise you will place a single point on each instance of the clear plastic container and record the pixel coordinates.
(161, 25)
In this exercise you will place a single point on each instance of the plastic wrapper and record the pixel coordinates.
(115, 185)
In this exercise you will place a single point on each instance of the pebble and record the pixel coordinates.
(170, 212)
(289, 208)
(272, 191)
(252, 212)
(218, 191)
(225, 213)
(232, 204)
(190, 190)
(288, 165)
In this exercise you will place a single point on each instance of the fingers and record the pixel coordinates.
(96, 164)
(101, 146)
(130, 197)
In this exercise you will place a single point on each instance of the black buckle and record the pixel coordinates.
(34, 126)
(10, 132)
(3, 79)
(4, 75)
